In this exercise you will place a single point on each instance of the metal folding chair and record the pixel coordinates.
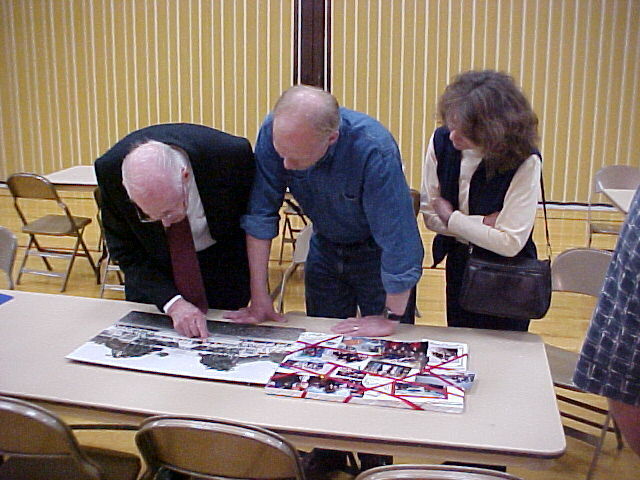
(24, 186)
(106, 265)
(290, 231)
(215, 449)
(579, 270)
(433, 472)
(35, 445)
(8, 247)
(611, 176)
(300, 251)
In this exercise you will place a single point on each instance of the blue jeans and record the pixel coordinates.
(340, 278)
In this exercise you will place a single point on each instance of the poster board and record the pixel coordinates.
(147, 342)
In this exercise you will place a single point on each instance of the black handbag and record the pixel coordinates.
(507, 286)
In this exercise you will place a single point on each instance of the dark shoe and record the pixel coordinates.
(371, 460)
(319, 463)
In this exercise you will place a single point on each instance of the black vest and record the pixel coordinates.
(486, 195)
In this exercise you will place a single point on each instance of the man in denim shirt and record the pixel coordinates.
(344, 169)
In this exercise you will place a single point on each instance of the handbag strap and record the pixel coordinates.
(546, 223)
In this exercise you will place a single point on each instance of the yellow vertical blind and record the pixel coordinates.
(77, 75)
(578, 61)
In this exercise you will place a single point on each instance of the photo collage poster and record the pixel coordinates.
(422, 375)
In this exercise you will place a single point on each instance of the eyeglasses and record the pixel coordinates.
(144, 218)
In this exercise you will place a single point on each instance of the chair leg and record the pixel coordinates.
(24, 259)
(596, 453)
(95, 269)
(40, 249)
(70, 265)
(286, 228)
(104, 267)
(616, 430)
(285, 277)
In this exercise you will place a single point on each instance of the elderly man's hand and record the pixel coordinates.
(371, 326)
(188, 320)
(443, 209)
(258, 311)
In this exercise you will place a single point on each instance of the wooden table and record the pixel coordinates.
(621, 198)
(510, 418)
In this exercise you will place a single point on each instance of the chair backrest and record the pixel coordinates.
(616, 176)
(29, 185)
(580, 270)
(8, 247)
(302, 244)
(433, 472)
(29, 431)
(35, 187)
(415, 198)
(212, 449)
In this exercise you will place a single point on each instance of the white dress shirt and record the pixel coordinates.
(197, 220)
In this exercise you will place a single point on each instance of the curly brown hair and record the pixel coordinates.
(492, 112)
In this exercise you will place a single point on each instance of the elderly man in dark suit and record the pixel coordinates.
(167, 176)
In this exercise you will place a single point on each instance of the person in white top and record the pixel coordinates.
(481, 181)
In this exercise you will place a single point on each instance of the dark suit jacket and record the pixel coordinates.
(223, 168)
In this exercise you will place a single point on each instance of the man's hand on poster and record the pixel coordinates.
(371, 326)
(258, 311)
(188, 320)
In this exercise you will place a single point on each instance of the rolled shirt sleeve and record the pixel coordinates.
(267, 194)
(389, 209)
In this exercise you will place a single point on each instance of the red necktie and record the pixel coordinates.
(186, 269)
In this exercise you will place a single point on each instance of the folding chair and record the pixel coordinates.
(579, 270)
(300, 251)
(612, 176)
(433, 472)
(106, 264)
(415, 199)
(289, 231)
(214, 449)
(36, 445)
(8, 247)
(29, 186)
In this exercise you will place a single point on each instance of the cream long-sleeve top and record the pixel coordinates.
(514, 222)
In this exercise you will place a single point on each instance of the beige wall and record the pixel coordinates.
(577, 60)
(77, 75)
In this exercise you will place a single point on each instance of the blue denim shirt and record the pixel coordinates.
(356, 191)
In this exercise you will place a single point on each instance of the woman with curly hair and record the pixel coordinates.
(481, 182)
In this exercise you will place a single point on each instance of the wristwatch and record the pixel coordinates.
(389, 315)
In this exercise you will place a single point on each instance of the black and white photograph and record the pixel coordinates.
(147, 342)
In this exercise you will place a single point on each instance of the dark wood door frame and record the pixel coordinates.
(311, 43)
